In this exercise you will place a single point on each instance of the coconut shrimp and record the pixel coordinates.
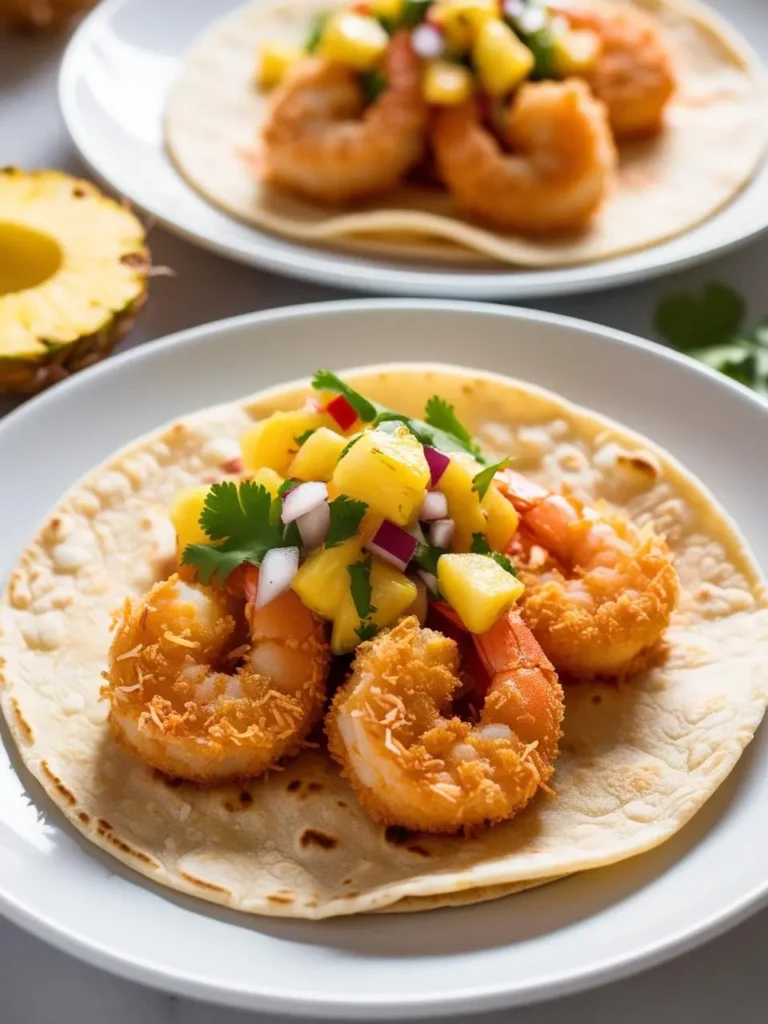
(599, 591)
(413, 764)
(633, 75)
(203, 686)
(559, 169)
(320, 139)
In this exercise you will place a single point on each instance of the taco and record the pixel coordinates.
(656, 620)
(600, 168)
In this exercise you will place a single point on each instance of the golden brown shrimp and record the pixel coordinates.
(633, 75)
(599, 591)
(203, 686)
(321, 140)
(560, 167)
(412, 765)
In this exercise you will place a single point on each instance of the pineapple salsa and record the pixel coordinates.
(496, 44)
(366, 513)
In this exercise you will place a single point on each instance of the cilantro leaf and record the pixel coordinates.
(349, 445)
(324, 380)
(366, 631)
(244, 519)
(504, 562)
(483, 480)
(360, 586)
(346, 516)
(480, 545)
(427, 557)
(305, 436)
(373, 83)
(413, 13)
(442, 415)
(315, 33)
(287, 485)
(292, 537)
(687, 320)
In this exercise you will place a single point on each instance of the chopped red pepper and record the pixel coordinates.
(342, 412)
(361, 8)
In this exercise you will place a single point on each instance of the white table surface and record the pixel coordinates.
(725, 980)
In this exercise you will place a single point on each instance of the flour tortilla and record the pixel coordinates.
(638, 760)
(714, 140)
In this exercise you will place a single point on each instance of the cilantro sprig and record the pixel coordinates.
(483, 480)
(709, 326)
(360, 586)
(480, 546)
(244, 520)
(441, 429)
(346, 516)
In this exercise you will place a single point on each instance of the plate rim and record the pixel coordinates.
(318, 266)
(486, 999)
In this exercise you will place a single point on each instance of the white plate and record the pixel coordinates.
(562, 937)
(113, 85)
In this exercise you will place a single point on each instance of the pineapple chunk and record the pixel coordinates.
(503, 520)
(387, 471)
(272, 442)
(460, 20)
(477, 588)
(575, 52)
(392, 594)
(185, 516)
(391, 9)
(317, 457)
(344, 636)
(502, 61)
(355, 40)
(274, 63)
(323, 580)
(268, 478)
(463, 503)
(446, 84)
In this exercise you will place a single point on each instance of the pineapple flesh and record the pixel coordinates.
(73, 276)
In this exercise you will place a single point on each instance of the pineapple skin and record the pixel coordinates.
(39, 15)
(25, 374)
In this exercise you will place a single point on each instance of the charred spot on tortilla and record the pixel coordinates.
(56, 782)
(314, 837)
(24, 727)
(281, 898)
(293, 785)
(397, 835)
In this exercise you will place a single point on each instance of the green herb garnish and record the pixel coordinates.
(441, 414)
(373, 83)
(346, 516)
(504, 562)
(287, 485)
(291, 536)
(315, 33)
(480, 545)
(709, 326)
(305, 436)
(360, 586)
(324, 380)
(348, 445)
(366, 631)
(427, 557)
(413, 13)
(243, 520)
(484, 478)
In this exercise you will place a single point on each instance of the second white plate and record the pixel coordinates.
(113, 86)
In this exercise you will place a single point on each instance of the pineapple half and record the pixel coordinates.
(39, 14)
(73, 276)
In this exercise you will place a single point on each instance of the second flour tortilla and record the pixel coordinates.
(713, 142)
(637, 761)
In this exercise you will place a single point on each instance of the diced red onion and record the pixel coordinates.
(434, 506)
(276, 573)
(441, 532)
(394, 544)
(513, 8)
(437, 462)
(429, 579)
(427, 41)
(342, 412)
(303, 499)
(313, 525)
